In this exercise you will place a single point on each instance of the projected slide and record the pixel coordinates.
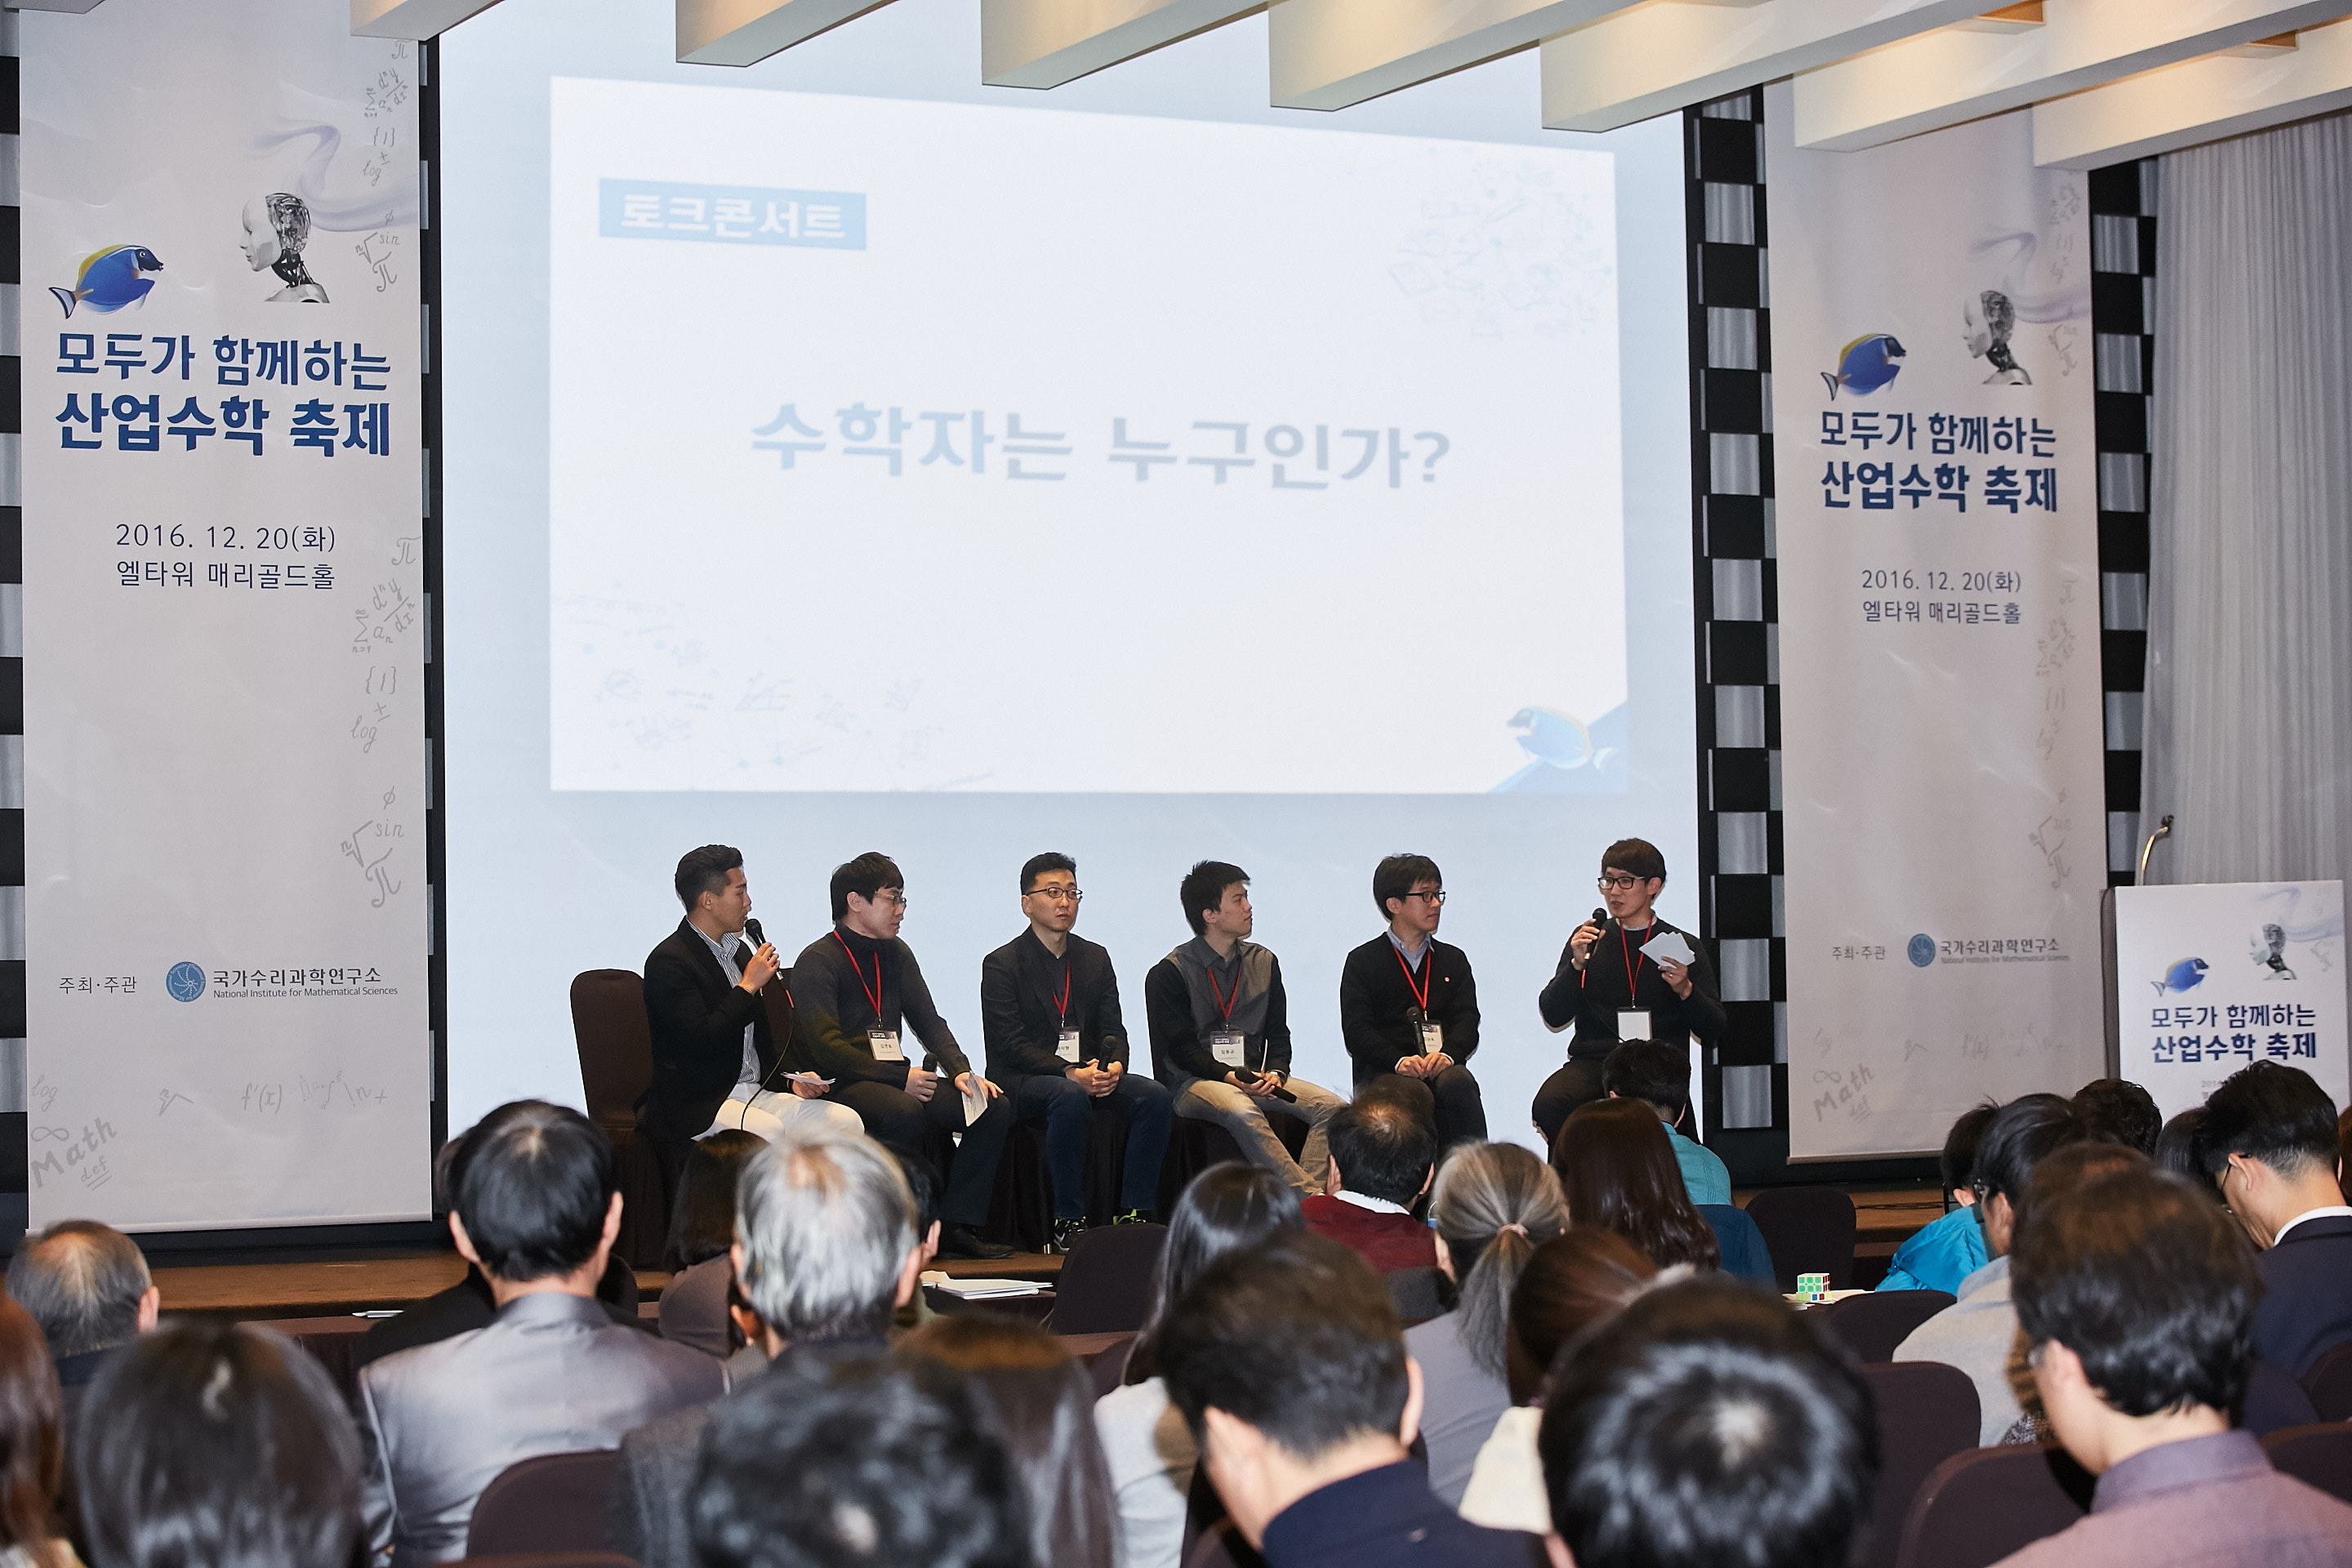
(912, 445)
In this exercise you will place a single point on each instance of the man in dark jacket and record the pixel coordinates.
(1049, 1013)
(2268, 1139)
(714, 1064)
(1409, 1006)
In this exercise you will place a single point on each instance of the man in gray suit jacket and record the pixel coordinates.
(825, 1252)
(536, 1207)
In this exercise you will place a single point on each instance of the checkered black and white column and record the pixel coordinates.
(2122, 320)
(12, 664)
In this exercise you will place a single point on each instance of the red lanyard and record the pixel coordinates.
(1224, 1007)
(1062, 1004)
(1624, 943)
(874, 996)
(1420, 991)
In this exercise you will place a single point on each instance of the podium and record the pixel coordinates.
(2203, 979)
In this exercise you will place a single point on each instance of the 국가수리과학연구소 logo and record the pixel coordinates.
(1921, 951)
(185, 982)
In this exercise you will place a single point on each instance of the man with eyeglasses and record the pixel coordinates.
(1611, 990)
(853, 989)
(1049, 1013)
(1408, 1005)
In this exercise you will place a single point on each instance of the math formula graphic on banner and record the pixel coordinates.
(226, 942)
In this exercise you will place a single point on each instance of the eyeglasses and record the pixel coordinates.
(1058, 893)
(1436, 898)
(1617, 884)
(891, 896)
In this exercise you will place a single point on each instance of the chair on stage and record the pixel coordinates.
(554, 1503)
(1810, 1230)
(1020, 1205)
(1107, 1281)
(1926, 1413)
(1194, 1145)
(1740, 1242)
(616, 1064)
(1871, 1325)
(2329, 1382)
(2318, 1455)
(1980, 1506)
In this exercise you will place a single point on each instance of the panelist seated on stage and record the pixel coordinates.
(856, 991)
(537, 1208)
(1220, 1031)
(1382, 1155)
(1611, 990)
(1408, 1005)
(1056, 1039)
(1659, 1077)
(715, 1065)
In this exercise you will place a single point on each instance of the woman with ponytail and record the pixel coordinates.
(1493, 1203)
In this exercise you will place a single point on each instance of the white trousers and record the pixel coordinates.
(765, 1113)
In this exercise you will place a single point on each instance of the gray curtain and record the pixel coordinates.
(2249, 706)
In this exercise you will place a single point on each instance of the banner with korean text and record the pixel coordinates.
(1942, 768)
(226, 908)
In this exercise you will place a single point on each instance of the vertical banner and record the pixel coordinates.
(224, 773)
(1942, 769)
(2212, 977)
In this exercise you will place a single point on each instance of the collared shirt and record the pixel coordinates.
(2329, 1211)
(1411, 955)
(725, 953)
(1366, 1201)
(2209, 1502)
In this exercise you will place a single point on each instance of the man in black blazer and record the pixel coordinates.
(1409, 1005)
(2268, 1139)
(714, 1064)
(1049, 1016)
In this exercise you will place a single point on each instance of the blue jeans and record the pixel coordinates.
(1063, 1104)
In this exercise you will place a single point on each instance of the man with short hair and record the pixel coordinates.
(715, 1063)
(1978, 1333)
(857, 1465)
(2269, 1140)
(1220, 1031)
(1941, 1254)
(86, 1285)
(1659, 1076)
(1711, 1424)
(1289, 1365)
(2117, 1110)
(1611, 990)
(1409, 1005)
(537, 1208)
(826, 1251)
(1056, 1041)
(1383, 1152)
(854, 989)
(2137, 1299)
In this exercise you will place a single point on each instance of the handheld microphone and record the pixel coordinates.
(758, 937)
(1600, 917)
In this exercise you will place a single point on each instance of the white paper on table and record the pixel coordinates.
(1667, 947)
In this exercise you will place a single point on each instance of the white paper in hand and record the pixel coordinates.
(975, 1101)
(1667, 947)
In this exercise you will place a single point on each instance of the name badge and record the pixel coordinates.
(1432, 1039)
(1226, 1047)
(886, 1045)
(1067, 1049)
(1632, 1023)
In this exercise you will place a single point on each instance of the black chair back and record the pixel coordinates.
(1926, 1413)
(2319, 1456)
(2274, 1400)
(1810, 1230)
(2329, 1384)
(1871, 1325)
(1106, 1283)
(1980, 1506)
(556, 1502)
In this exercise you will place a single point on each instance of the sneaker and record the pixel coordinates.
(1132, 1216)
(1065, 1235)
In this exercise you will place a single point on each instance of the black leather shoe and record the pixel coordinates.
(962, 1241)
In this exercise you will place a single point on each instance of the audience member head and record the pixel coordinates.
(1041, 1406)
(32, 1455)
(1289, 1364)
(702, 1220)
(1579, 1278)
(216, 1445)
(1225, 1208)
(824, 1236)
(705, 872)
(924, 1189)
(87, 1286)
(1205, 888)
(1957, 1163)
(857, 1464)
(1711, 1426)
(1492, 1206)
(2138, 1297)
(2268, 1142)
(1658, 1075)
(537, 1197)
(1395, 878)
(2176, 1150)
(2020, 1134)
(1380, 1148)
(2117, 1110)
(1617, 1171)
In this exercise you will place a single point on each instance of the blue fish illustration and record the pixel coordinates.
(1865, 364)
(1552, 737)
(2185, 976)
(110, 279)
